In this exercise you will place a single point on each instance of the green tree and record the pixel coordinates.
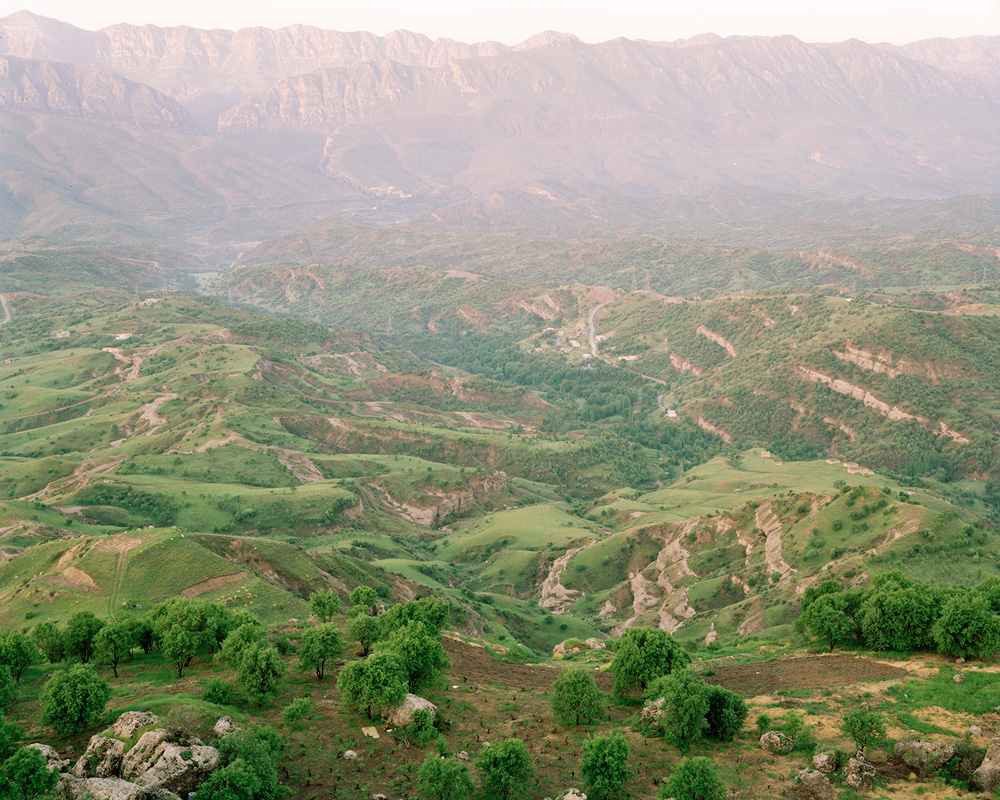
(863, 726)
(203, 623)
(576, 697)
(74, 698)
(813, 593)
(113, 643)
(431, 611)
(237, 780)
(694, 779)
(827, 620)
(259, 671)
(251, 759)
(442, 778)
(505, 770)
(365, 631)
(686, 708)
(26, 774)
(605, 765)
(239, 640)
(8, 687)
(10, 734)
(967, 627)
(727, 713)
(18, 652)
(49, 639)
(297, 710)
(319, 645)
(179, 646)
(900, 619)
(143, 634)
(324, 604)
(642, 655)
(420, 652)
(81, 630)
(363, 600)
(373, 684)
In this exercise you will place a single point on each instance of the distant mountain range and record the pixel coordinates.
(402, 127)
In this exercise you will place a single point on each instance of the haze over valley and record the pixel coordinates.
(384, 416)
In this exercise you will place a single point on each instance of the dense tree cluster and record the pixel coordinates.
(642, 655)
(896, 613)
(408, 655)
(693, 709)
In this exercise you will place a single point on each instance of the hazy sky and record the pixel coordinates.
(512, 21)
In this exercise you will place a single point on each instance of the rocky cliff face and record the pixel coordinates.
(211, 70)
(848, 119)
(67, 90)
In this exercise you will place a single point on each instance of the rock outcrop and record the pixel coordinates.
(859, 773)
(157, 767)
(181, 770)
(925, 756)
(53, 761)
(102, 758)
(652, 714)
(130, 723)
(987, 776)
(776, 742)
(403, 713)
(816, 785)
(826, 762)
(144, 754)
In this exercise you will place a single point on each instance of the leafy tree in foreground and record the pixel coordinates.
(8, 687)
(324, 604)
(505, 770)
(642, 655)
(686, 708)
(727, 713)
(18, 652)
(827, 620)
(9, 736)
(25, 775)
(49, 639)
(143, 635)
(297, 710)
(81, 630)
(576, 697)
(863, 726)
(373, 684)
(900, 619)
(365, 631)
(431, 611)
(179, 647)
(239, 641)
(967, 627)
(694, 779)
(421, 653)
(74, 698)
(363, 600)
(444, 779)
(235, 781)
(250, 767)
(259, 671)
(319, 645)
(113, 643)
(605, 765)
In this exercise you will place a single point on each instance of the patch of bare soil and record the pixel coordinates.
(751, 680)
(473, 664)
(212, 583)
